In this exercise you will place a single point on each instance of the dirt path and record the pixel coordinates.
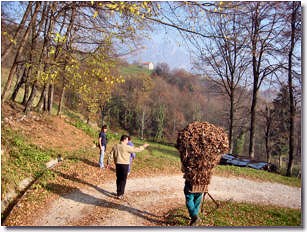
(147, 199)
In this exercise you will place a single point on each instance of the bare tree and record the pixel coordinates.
(262, 22)
(224, 58)
(295, 22)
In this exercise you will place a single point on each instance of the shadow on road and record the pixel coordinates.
(72, 178)
(78, 196)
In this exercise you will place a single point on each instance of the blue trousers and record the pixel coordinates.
(102, 151)
(193, 201)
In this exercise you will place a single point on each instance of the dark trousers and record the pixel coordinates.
(121, 178)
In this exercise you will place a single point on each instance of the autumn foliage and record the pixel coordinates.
(200, 145)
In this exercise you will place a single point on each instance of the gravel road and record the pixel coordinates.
(147, 195)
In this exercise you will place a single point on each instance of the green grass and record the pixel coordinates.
(254, 174)
(156, 156)
(134, 69)
(238, 214)
(20, 159)
(85, 128)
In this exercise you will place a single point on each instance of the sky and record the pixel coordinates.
(164, 47)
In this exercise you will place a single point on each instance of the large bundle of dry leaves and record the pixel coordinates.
(201, 145)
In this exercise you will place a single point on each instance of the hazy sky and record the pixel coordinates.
(165, 46)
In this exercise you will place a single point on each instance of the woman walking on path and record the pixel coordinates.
(121, 155)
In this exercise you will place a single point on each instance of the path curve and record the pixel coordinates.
(147, 195)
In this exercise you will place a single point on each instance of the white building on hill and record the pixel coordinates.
(147, 65)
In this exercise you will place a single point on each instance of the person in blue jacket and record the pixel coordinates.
(132, 155)
(102, 144)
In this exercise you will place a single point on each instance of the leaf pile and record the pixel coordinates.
(201, 145)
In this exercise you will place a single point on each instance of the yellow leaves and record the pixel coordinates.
(10, 38)
(52, 51)
(92, 2)
(134, 8)
(28, 65)
(13, 41)
(112, 6)
(95, 14)
(48, 76)
(59, 39)
(131, 9)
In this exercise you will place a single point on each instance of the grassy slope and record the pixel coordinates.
(21, 160)
(133, 69)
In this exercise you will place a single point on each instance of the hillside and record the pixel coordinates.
(45, 131)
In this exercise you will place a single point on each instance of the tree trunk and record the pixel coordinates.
(67, 35)
(256, 65)
(26, 94)
(29, 103)
(143, 124)
(61, 102)
(40, 105)
(267, 134)
(19, 51)
(45, 105)
(50, 98)
(252, 125)
(231, 117)
(290, 87)
(18, 85)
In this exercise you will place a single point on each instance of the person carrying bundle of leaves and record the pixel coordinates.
(200, 145)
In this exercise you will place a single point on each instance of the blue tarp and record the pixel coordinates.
(260, 165)
(241, 162)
